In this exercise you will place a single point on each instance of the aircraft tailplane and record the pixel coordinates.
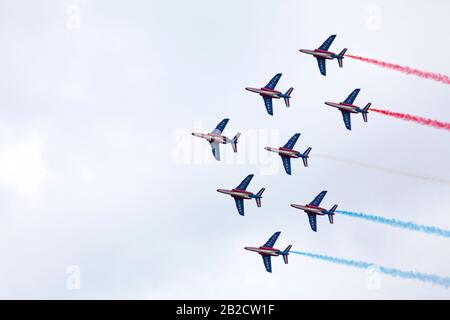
(287, 97)
(259, 196)
(305, 157)
(340, 57)
(286, 253)
(366, 111)
(305, 162)
(331, 214)
(234, 141)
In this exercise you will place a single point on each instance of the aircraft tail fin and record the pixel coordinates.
(234, 141)
(331, 214)
(366, 111)
(340, 57)
(286, 253)
(305, 157)
(287, 97)
(259, 196)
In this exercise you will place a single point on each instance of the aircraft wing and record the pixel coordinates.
(243, 185)
(268, 104)
(327, 42)
(312, 221)
(352, 96)
(273, 82)
(215, 150)
(270, 243)
(267, 263)
(240, 205)
(221, 126)
(286, 164)
(291, 143)
(318, 199)
(347, 121)
(322, 66)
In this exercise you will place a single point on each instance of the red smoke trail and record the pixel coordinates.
(423, 74)
(427, 122)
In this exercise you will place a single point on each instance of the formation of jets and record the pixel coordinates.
(287, 151)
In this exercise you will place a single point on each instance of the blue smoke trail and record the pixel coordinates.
(425, 277)
(398, 223)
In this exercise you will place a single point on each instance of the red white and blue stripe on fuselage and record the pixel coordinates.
(347, 107)
(268, 93)
(240, 194)
(267, 251)
(322, 54)
(313, 210)
(287, 152)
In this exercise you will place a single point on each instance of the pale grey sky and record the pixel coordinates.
(95, 170)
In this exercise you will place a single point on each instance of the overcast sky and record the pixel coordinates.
(99, 173)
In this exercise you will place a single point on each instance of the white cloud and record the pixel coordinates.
(22, 166)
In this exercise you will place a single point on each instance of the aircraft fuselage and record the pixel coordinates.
(212, 137)
(285, 152)
(344, 106)
(265, 251)
(320, 53)
(310, 209)
(237, 193)
(266, 92)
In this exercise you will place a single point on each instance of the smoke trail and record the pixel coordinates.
(434, 279)
(385, 169)
(424, 121)
(398, 223)
(422, 74)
